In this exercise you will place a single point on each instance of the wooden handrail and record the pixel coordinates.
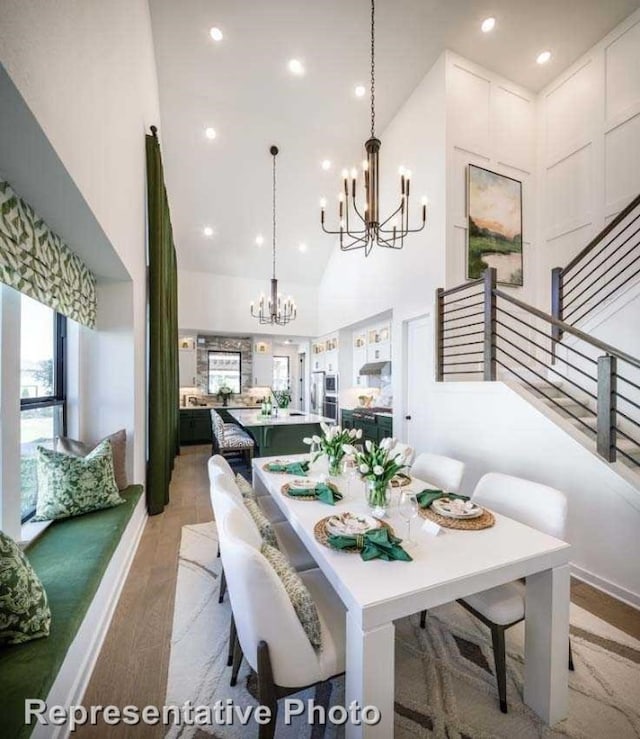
(601, 235)
(603, 346)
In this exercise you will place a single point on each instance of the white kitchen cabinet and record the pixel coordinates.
(379, 343)
(359, 357)
(262, 370)
(318, 356)
(187, 367)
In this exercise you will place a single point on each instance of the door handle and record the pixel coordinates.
(407, 418)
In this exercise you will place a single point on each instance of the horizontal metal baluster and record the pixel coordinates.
(594, 267)
(548, 397)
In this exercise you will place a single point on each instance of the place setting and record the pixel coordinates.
(452, 511)
(283, 467)
(361, 534)
(306, 489)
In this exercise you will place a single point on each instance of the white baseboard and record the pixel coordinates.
(610, 588)
(72, 680)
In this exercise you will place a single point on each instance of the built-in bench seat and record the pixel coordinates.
(70, 557)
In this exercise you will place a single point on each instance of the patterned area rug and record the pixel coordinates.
(445, 685)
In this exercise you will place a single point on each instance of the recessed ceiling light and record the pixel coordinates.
(210, 133)
(259, 239)
(488, 24)
(302, 247)
(216, 34)
(296, 67)
(326, 164)
(207, 231)
(543, 57)
(360, 91)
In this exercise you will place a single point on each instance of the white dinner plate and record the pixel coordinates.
(303, 483)
(351, 524)
(449, 508)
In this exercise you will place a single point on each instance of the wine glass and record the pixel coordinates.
(408, 510)
(349, 469)
(314, 451)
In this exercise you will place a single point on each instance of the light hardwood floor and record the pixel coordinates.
(132, 666)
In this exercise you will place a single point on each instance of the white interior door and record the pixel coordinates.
(419, 355)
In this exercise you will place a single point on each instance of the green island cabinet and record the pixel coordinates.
(195, 426)
(375, 430)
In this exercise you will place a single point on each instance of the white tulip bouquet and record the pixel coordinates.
(333, 444)
(379, 464)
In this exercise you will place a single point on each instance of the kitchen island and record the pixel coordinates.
(279, 434)
(195, 421)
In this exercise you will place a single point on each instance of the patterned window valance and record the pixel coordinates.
(39, 264)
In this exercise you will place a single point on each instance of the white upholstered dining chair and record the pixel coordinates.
(539, 506)
(218, 465)
(225, 496)
(271, 637)
(445, 472)
(408, 452)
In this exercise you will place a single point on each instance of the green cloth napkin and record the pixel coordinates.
(375, 544)
(321, 491)
(426, 497)
(292, 468)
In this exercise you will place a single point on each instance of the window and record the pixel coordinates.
(281, 379)
(42, 390)
(224, 371)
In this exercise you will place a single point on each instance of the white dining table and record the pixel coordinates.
(448, 565)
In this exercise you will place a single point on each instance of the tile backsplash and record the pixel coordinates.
(242, 344)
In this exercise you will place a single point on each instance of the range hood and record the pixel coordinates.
(376, 368)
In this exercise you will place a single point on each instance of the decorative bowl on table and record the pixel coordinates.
(350, 524)
(401, 480)
(303, 483)
(456, 508)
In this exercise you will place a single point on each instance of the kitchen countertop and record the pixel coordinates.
(247, 417)
(218, 406)
(386, 414)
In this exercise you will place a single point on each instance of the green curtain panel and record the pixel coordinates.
(163, 335)
(36, 261)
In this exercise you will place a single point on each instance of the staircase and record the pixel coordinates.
(587, 386)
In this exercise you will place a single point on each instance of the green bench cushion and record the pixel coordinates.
(70, 558)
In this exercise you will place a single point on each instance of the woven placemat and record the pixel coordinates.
(485, 521)
(322, 537)
(400, 481)
(285, 491)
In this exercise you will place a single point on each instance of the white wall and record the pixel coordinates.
(588, 148)
(493, 429)
(491, 122)
(87, 72)
(211, 303)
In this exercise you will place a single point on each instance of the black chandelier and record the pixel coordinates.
(369, 229)
(275, 309)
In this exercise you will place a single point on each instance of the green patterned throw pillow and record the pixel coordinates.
(70, 486)
(24, 609)
(245, 487)
(298, 593)
(262, 522)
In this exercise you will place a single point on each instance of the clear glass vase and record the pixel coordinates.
(335, 466)
(378, 497)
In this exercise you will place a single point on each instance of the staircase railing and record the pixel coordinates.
(609, 262)
(480, 328)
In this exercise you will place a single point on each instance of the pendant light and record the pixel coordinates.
(363, 230)
(274, 310)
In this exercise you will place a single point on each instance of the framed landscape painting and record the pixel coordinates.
(495, 225)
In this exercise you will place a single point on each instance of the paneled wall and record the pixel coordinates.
(588, 147)
(491, 123)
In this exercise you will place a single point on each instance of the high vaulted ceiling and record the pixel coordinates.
(242, 88)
